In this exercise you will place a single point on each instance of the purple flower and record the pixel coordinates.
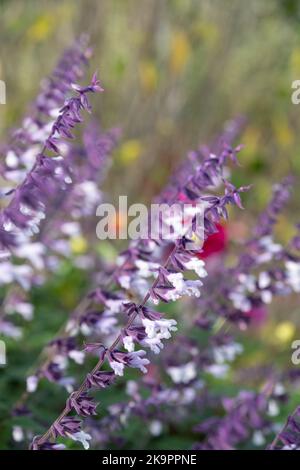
(100, 379)
(68, 425)
(82, 404)
(46, 445)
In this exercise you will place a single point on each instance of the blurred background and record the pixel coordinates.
(174, 72)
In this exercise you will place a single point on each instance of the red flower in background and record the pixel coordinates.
(257, 316)
(215, 243)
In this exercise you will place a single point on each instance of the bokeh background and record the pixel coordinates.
(174, 72)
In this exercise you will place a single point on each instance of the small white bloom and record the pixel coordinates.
(146, 268)
(155, 427)
(114, 306)
(218, 370)
(117, 367)
(293, 275)
(273, 409)
(128, 343)
(25, 309)
(138, 361)
(182, 287)
(77, 356)
(240, 301)
(124, 281)
(33, 252)
(279, 389)
(11, 159)
(248, 282)
(67, 383)
(266, 296)
(159, 328)
(227, 352)
(188, 395)
(258, 438)
(71, 228)
(264, 280)
(132, 388)
(18, 434)
(182, 374)
(197, 265)
(155, 344)
(106, 324)
(82, 437)
(32, 383)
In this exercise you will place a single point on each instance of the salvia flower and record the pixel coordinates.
(82, 404)
(118, 360)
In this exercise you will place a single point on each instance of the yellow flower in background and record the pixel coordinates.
(148, 76)
(41, 28)
(130, 151)
(283, 133)
(284, 332)
(180, 51)
(78, 245)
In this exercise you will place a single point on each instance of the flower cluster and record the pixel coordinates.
(123, 322)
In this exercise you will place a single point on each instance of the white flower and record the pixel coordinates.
(293, 275)
(155, 427)
(31, 383)
(25, 309)
(188, 395)
(182, 374)
(106, 324)
(154, 344)
(266, 296)
(146, 268)
(273, 409)
(161, 328)
(258, 438)
(182, 287)
(128, 343)
(240, 301)
(271, 248)
(8, 329)
(248, 282)
(264, 280)
(279, 389)
(67, 383)
(114, 306)
(132, 388)
(124, 281)
(90, 194)
(138, 361)
(23, 276)
(227, 352)
(18, 434)
(197, 265)
(290, 447)
(77, 356)
(82, 437)
(71, 228)
(11, 159)
(117, 367)
(218, 370)
(33, 252)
